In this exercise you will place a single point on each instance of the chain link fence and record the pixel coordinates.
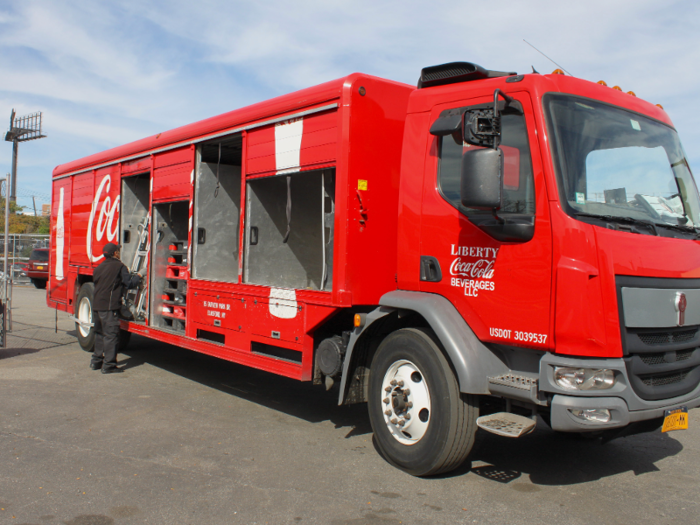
(18, 251)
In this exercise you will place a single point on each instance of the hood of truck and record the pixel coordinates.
(623, 253)
(590, 265)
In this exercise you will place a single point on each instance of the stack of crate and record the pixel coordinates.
(174, 298)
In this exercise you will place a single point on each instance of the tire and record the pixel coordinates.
(86, 337)
(440, 432)
(39, 283)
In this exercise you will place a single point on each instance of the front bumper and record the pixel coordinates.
(624, 404)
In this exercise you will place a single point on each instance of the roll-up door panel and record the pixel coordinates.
(173, 174)
(94, 214)
(60, 239)
(293, 145)
(81, 205)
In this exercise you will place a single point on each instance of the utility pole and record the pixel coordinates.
(34, 203)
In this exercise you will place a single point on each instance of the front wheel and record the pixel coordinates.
(422, 423)
(86, 334)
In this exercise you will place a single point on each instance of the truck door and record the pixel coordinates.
(502, 288)
(60, 237)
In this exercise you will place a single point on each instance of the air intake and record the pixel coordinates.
(455, 72)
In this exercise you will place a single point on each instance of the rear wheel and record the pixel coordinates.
(86, 334)
(422, 423)
(39, 283)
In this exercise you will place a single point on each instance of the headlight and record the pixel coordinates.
(584, 378)
(595, 415)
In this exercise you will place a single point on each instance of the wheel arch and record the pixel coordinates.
(80, 280)
(471, 361)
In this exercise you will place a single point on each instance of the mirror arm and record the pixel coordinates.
(508, 100)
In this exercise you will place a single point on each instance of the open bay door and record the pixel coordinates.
(217, 209)
(135, 229)
(290, 208)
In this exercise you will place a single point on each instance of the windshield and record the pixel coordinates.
(618, 164)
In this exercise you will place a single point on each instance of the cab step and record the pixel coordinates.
(506, 424)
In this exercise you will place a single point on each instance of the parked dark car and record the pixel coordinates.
(38, 267)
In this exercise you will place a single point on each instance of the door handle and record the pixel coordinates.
(430, 269)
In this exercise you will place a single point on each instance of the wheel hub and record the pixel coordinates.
(399, 401)
(405, 402)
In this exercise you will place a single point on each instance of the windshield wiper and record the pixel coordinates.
(627, 220)
(678, 227)
(649, 224)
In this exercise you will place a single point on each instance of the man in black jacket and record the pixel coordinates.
(110, 278)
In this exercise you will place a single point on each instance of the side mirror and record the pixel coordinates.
(482, 179)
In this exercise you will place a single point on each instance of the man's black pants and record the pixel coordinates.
(106, 338)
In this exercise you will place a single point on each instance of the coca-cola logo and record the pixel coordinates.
(475, 262)
(480, 269)
(107, 220)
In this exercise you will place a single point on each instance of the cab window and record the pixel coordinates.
(518, 183)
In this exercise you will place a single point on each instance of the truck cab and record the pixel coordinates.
(559, 219)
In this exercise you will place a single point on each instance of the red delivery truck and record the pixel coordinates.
(472, 253)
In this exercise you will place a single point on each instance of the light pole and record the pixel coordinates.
(5, 307)
(22, 129)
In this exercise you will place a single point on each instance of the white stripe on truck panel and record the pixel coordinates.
(288, 145)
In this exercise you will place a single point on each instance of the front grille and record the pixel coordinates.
(664, 358)
(663, 338)
(685, 354)
(665, 379)
(654, 359)
(662, 361)
(663, 375)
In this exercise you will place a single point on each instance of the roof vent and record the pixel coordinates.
(455, 72)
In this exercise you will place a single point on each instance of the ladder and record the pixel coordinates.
(135, 300)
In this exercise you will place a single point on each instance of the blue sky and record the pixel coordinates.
(108, 72)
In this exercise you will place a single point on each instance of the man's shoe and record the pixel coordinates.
(112, 370)
(94, 366)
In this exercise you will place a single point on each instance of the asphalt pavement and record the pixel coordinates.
(183, 438)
